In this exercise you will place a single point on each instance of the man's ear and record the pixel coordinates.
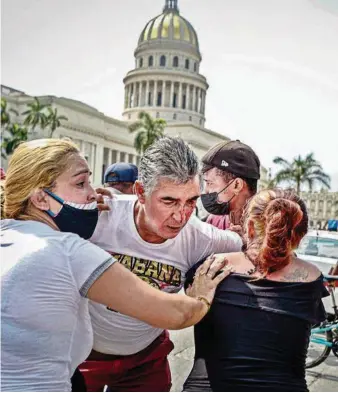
(40, 200)
(238, 185)
(139, 191)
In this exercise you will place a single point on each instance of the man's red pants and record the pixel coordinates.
(145, 371)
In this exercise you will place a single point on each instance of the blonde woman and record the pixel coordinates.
(272, 299)
(49, 271)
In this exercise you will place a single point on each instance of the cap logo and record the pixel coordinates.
(224, 163)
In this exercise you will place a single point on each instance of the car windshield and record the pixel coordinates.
(319, 247)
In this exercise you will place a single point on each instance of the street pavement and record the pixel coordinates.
(323, 378)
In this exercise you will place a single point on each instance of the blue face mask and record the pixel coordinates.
(74, 217)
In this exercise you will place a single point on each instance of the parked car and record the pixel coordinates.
(320, 248)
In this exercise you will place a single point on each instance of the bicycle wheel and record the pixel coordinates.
(317, 353)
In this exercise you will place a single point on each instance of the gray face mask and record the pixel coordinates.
(211, 204)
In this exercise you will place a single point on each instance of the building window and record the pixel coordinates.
(187, 64)
(195, 66)
(175, 61)
(174, 116)
(150, 61)
(174, 100)
(141, 62)
(190, 118)
(159, 98)
(149, 98)
(102, 173)
(162, 61)
(157, 115)
(184, 101)
(113, 156)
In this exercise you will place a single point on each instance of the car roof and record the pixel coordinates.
(326, 234)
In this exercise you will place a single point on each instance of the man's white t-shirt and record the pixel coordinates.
(163, 266)
(45, 324)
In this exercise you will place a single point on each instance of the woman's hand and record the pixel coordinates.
(208, 276)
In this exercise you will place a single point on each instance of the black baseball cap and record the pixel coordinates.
(234, 157)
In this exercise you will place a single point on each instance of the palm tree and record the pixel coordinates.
(53, 120)
(302, 170)
(15, 135)
(35, 115)
(6, 113)
(269, 183)
(148, 131)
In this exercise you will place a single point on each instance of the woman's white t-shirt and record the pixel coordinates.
(45, 325)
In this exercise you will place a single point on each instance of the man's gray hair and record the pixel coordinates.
(170, 158)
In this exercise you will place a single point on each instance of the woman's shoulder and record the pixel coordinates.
(299, 271)
(22, 234)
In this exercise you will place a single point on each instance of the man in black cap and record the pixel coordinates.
(231, 171)
(120, 178)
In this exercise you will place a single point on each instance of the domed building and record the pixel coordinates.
(166, 81)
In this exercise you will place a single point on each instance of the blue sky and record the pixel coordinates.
(272, 65)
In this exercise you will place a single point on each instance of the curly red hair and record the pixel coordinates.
(280, 221)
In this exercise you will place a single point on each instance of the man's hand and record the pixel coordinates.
(236, 228)
(101, 193)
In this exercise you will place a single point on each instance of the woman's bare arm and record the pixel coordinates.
(124, 292)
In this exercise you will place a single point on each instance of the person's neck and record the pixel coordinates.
(43, 217)
(252, 254)
(142, 228)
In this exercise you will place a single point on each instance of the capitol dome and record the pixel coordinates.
(166, 81)
(171, 26)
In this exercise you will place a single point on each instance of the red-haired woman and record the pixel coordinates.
(256, 335)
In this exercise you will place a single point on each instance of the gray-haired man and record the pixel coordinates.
(155, 235)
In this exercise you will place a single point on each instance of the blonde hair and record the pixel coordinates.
(280, 221)
(34, 165)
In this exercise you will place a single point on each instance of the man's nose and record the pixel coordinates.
(180, 215)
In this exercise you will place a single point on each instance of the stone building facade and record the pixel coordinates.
(166, 83)
(322, 206)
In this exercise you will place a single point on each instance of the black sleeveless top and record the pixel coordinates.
(255, 336)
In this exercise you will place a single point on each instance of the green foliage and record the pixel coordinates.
(12, 137)
(6, 113)
(301, 170)
(148, 131)
(37, 115)
(53, 120)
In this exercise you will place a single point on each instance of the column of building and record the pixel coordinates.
(137, 95)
